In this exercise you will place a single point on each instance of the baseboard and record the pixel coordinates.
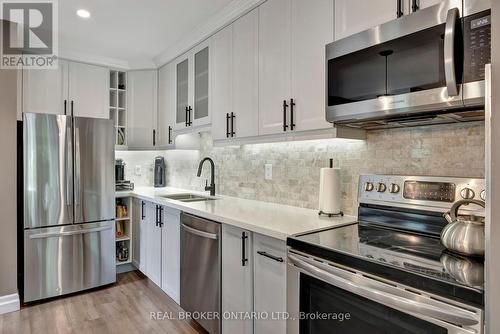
(9, 303)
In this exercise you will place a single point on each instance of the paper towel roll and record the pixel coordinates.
(329, 191)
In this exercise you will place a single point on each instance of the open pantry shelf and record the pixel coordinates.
(118, 105)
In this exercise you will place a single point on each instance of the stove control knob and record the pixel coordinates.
(467, 193)
(368, 186)
(483, 195)
(381, 187)
(394, 188)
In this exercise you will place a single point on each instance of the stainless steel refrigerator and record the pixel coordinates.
(69, 209)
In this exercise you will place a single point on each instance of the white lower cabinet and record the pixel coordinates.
(153, 243)
(258, 286)
(269, 284)
(237, 279)
(171, 253)
(139, 234)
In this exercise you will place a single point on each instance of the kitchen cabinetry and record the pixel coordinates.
(53, 91)
(170, 253)
(140, 216)
(153, 228)
(292, 38)
(142, 108)
(166, 106)
(235, 79)
(193, 88)
(269, 283)
(353, 16)
(89, 90)
(421, 4)
(46, 91)
(237, 278)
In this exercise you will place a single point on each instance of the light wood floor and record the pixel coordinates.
(121, 308)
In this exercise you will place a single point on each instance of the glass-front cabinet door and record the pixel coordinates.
(201, 87)
(182, 93)
(193, 88)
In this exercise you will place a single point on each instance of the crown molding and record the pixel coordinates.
(226, 16)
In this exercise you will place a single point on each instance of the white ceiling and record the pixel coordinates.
(129, 32)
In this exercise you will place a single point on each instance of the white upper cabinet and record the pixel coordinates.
(89, 90)
(73, 86)
(46, 91)
(166, 106)
(245, 75)
(142, 108)
(201, 87)
(312, 29)
(353, 16)
(222, 83)
(234, 73)
(292, 39)
(192, 88)
(274, 65)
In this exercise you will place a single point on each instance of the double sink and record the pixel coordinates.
(189, 198)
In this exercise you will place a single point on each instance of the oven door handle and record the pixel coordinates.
(449, 51)
(449, 314)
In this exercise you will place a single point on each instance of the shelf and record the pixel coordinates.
(118, 263)
(124, 238)
(123, 218)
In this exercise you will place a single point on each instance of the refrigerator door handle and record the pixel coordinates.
(62, 234)
(76, 162)
(68, 157)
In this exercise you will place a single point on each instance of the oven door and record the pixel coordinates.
(409, 65)
(324, 298)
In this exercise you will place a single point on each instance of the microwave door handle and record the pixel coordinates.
(449, 51)
(355, 285)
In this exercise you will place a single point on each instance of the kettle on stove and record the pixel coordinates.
(464, 234)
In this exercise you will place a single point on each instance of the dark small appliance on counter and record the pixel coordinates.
(160, 169)
(120, 182)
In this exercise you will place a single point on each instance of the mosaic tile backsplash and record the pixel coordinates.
(440, 150)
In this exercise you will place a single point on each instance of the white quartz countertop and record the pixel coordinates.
(270, 219)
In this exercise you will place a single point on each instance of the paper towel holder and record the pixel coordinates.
(330, 215)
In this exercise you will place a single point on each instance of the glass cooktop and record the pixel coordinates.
(419, 260)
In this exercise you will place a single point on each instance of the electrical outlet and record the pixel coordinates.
(138, 170)
(268, 171)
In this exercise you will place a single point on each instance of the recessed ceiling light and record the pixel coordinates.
(83, 13)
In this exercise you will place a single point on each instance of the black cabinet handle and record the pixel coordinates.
(156, 221)
(272, 257)
(232, 124)
(244, 259)
(143, 215)
(415, 5)
(160, 219)
(154, 137)
(72, 108)
(170, 135)
(186, 121)
(285, 126)
(227, 125)
(399, 12)
(65, 107)
(292, 124)
(189, 116)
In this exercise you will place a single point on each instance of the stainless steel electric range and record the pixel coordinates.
(388, 272)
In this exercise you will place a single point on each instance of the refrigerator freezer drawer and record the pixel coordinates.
(66, 259)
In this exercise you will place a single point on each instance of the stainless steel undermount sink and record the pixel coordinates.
(189, 198)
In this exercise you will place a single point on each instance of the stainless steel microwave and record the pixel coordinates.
(423, 68)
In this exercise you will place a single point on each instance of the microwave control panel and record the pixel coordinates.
(477, 45)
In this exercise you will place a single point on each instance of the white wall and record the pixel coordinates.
(8, 200)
